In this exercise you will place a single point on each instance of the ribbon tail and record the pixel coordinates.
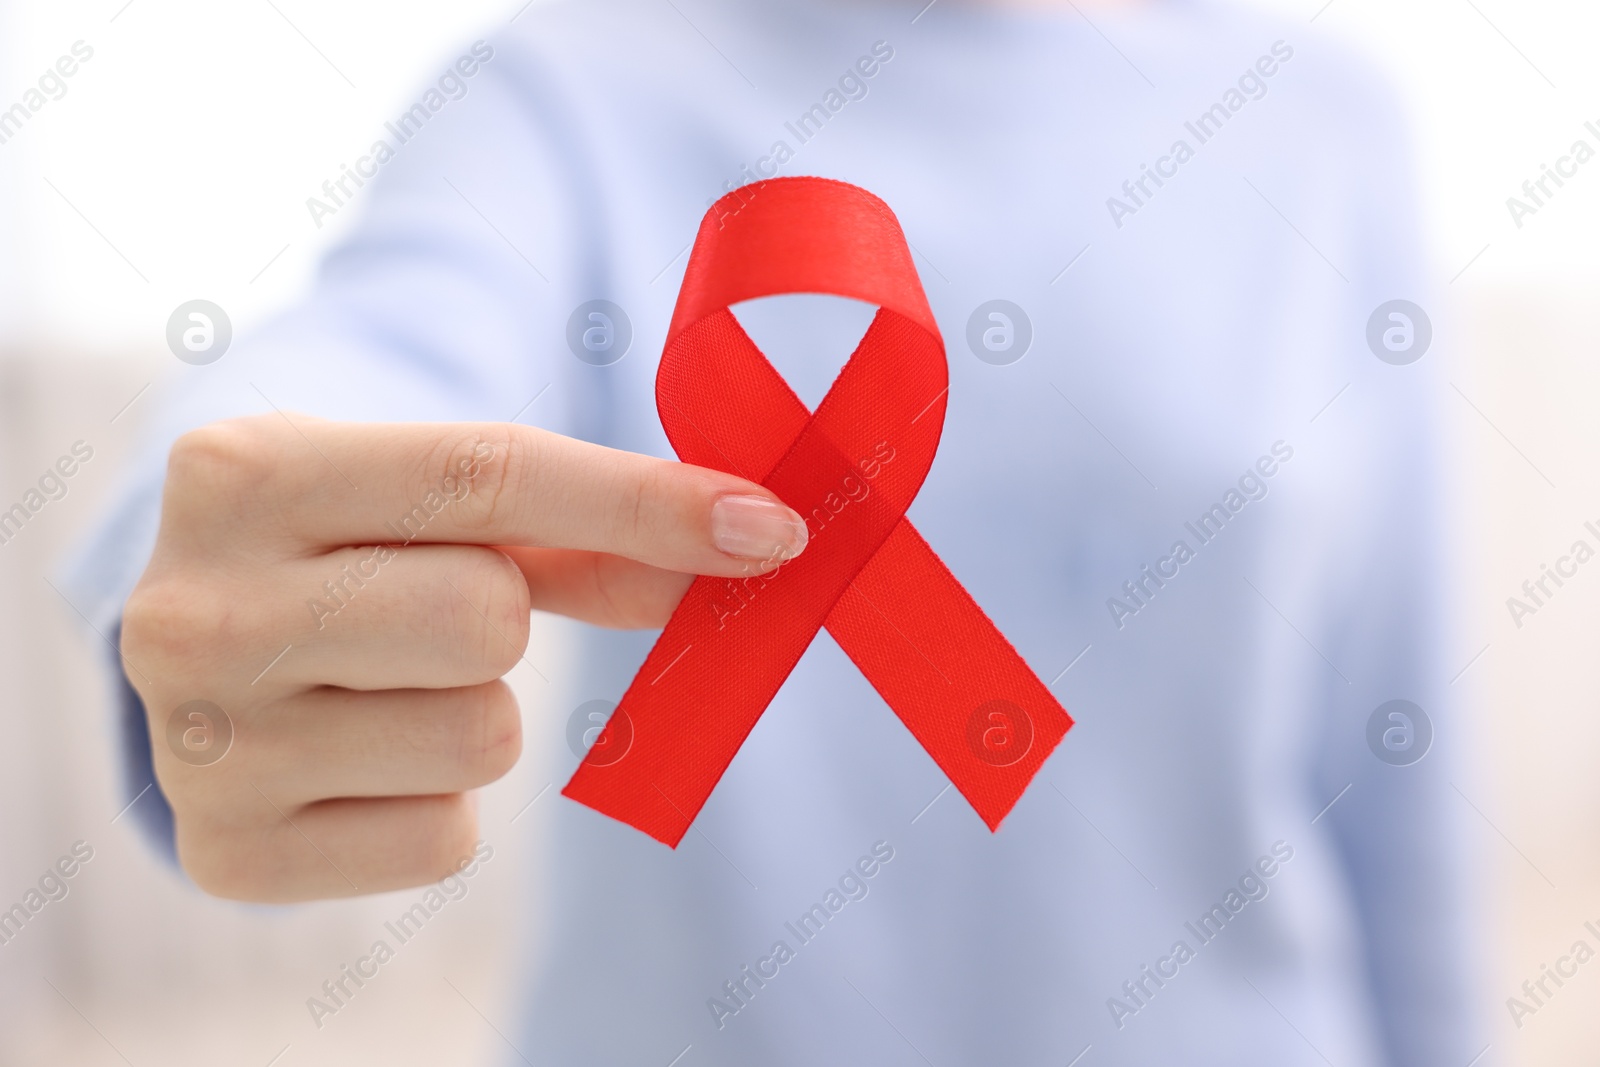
(939, 662)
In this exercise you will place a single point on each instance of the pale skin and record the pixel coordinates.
(356, 754)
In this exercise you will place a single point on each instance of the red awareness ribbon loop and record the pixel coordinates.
(851, 468)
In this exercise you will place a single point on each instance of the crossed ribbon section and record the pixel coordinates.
(851, 468)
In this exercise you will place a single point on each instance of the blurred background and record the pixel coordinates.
(176, 166)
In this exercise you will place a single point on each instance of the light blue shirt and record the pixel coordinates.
(1198, 360)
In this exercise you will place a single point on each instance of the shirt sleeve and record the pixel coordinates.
(1400, 826)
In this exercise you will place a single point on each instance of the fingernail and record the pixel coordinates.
(755, 527)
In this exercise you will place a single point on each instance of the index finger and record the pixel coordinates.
(329, 484)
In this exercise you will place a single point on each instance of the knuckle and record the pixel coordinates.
(222, 472)
(223, 455)
(160, 621)
(145, 618)
(223, 865)
(488, 617)
(446, 830)
(637, 506)
(474, 470)
(632, 600)
(635, 518)
(489, 738)
(507, 600)
(177, 623)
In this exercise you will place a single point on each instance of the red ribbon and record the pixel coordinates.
(851, 468)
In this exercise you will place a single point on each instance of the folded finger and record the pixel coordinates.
(330, 743)
(419, 616)
(599, 588)
(334, 848)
